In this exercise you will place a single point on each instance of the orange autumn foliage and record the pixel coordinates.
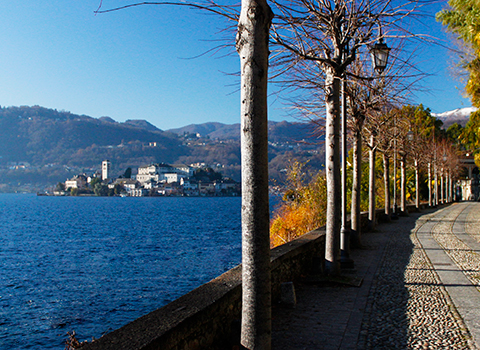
(303, 209)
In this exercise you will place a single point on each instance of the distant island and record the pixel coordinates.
(157, 179)
(40, 147)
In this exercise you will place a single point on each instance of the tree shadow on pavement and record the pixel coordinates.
(385, 324)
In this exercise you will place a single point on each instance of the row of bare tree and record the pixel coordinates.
(408, 136)
(312, 45)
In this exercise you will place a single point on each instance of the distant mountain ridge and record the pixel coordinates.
(278, 131)
(41, 146)
(210, 129)
(39, 135)
(137, 123)
(459, 116)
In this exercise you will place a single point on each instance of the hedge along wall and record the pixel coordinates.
(209, 316)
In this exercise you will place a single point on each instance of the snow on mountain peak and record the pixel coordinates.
(459, 115)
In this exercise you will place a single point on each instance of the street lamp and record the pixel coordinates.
(380, 52)
(410, 135)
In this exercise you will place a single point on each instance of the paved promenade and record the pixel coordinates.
(420, 290)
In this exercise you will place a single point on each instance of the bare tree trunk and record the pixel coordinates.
(252, 46)
(417, 185)
(430, 202)
(442, 194)
(356, 188)
(332, 169)
(403, 184)
(446, 187)
(386, 181)
(435, 187)
(371, 184)
(450, 196)
(395, 176)
(345, 261)
(452, 188)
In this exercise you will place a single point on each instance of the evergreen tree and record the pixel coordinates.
(462, 20)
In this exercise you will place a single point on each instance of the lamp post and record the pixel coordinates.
(379, 53)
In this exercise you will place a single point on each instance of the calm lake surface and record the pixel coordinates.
(93, 264)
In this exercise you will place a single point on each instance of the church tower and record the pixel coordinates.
(106, 169)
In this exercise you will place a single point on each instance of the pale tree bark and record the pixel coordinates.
(445, 195)
(430, 201)
(449, 187)
(403, 184)
(446, 187)
(452, 188)
(332, 172)
(447, 199)
(386, 181)
(371, 183)
(252, 46)
(345, 234)
(356, 188)
(442, 194)
(450, 196)
(417, 184)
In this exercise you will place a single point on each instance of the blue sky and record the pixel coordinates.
(139, 63)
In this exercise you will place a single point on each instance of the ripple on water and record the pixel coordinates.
(93, 264)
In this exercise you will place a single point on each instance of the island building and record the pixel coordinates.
(106, 165)
(78, 181)
(158, 179)
(163, 173)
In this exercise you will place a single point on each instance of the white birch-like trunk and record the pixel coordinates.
(355, 223)
(252, 47)
(430, 202)
(442, 194)
(386, 182)
(446, 188)
(332, 172)
(403, 184)
(371, 183)
(450, 192)
(417, 185)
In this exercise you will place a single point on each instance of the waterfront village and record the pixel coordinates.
(151, 180)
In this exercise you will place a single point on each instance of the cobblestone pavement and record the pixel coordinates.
(420, 290)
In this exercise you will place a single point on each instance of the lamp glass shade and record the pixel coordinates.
(380, 52)
(410, 135)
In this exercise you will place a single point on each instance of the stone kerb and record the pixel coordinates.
(209, 316)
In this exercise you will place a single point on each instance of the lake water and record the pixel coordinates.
(93, 264)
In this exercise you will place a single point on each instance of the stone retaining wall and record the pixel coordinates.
(209, 317)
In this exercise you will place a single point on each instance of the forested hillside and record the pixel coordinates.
(278, 131)
(40, 146)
